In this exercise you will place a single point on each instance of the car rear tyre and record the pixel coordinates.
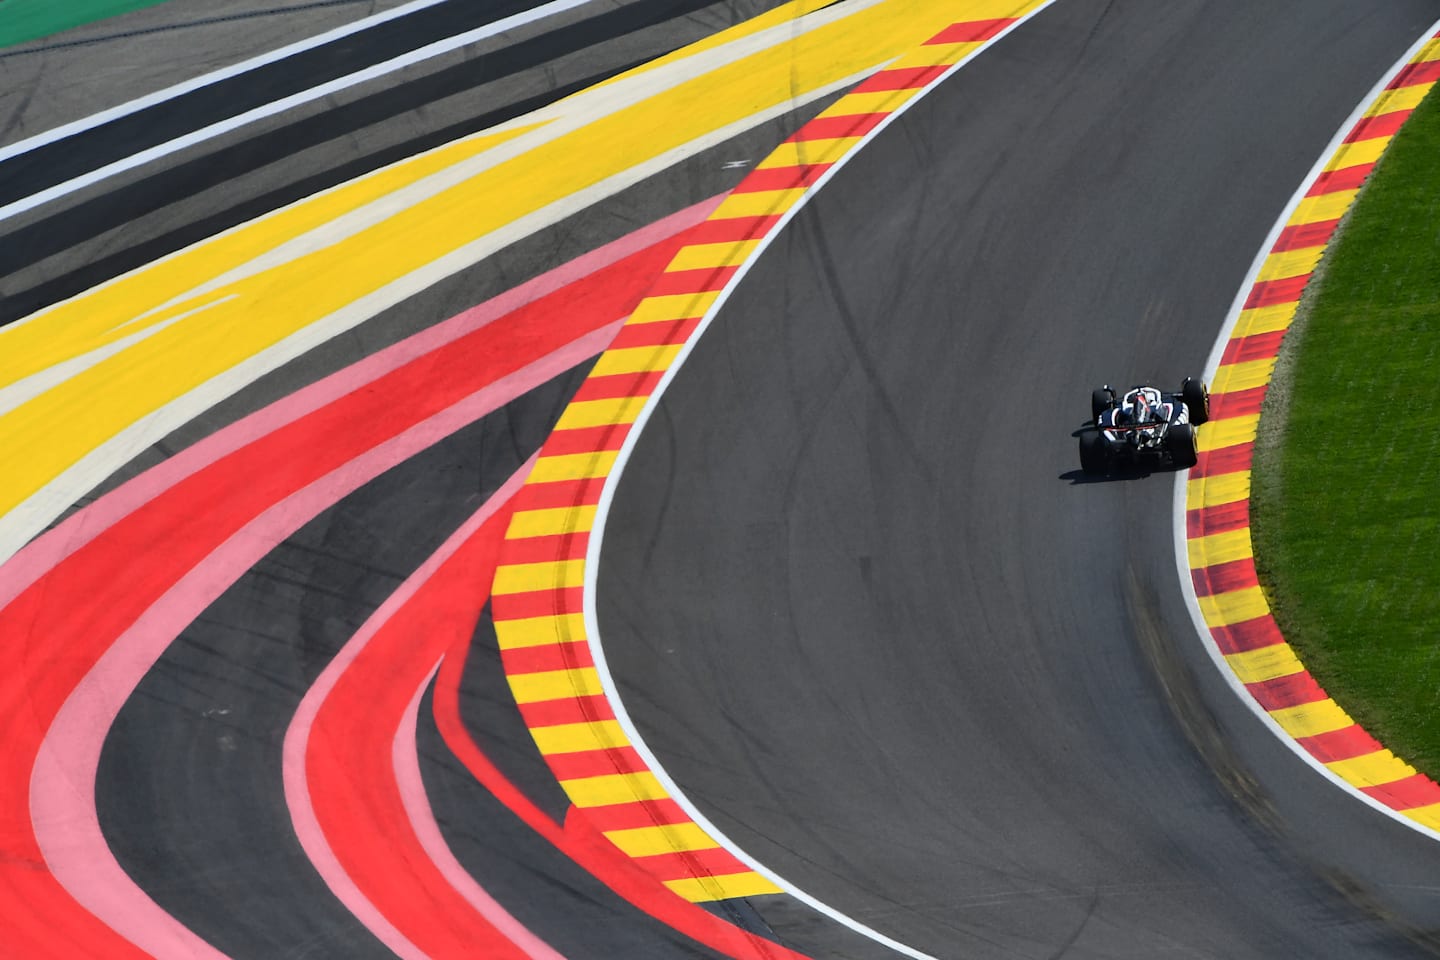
(1180, 440)
(1093, 458)
(1100, 401)
(1196, 397)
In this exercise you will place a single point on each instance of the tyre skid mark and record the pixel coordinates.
(1218, 548)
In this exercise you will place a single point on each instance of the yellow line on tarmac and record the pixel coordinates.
(56, 429)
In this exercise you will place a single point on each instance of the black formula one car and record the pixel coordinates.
(1144, 424)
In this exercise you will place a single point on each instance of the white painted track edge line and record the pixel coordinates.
(1212, 364)
(205, 80)
(602, 510)
(274, 107)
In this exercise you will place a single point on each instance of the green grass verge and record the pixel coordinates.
(1346, 501)
(22, 20)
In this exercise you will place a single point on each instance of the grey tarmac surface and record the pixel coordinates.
(68, 76)
(854, 590)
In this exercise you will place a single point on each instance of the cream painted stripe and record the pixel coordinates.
(1214, 491)
(1312, 719)
(1266, 663)
(1233, 606)
(530, 577)
(538, 631)
(554, 685)
(1227, 432)
(1221, 548)
(550, 522)
(28, 388)
(665, 838)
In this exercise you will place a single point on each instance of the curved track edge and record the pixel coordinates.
(545, 587)
(1214, 551)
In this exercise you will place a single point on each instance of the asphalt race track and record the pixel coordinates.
(855, 591)
(866, 611)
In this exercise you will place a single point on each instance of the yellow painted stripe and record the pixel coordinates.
(1311, 719)
(1264, 320)
(1327, 206)
(1372, 769)
(1290, 263)
(1359, 153)
(550, 522)
(673, 306)
(1234, 377)
(702, 256)
(579, 737)
(1233, 606)
(1220, 548)
(109, 312)
(59, 428)
(555, 685)
(1401, 98)
(1428, 816)
(581, 414)
(529, 577)
(1220, 489)
(727, 887)
(539, 631)
(1266, 663)
(933, 55)
(864, 104)
(613, 788)
(759, 203)
(665, 838)
(806, 152)
(634, 360)
(573, 466)
(1227, 432)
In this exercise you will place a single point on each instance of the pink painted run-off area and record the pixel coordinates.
(87, 608)
(340, 784)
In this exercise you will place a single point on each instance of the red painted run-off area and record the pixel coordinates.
(55, 630)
